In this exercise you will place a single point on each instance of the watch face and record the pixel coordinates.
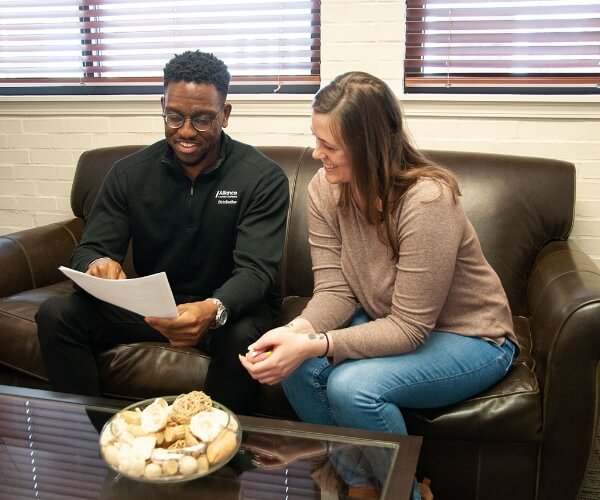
(222, 317)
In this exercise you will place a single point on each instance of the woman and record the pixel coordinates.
(406, 311)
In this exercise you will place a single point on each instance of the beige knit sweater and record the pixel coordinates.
(440, 281)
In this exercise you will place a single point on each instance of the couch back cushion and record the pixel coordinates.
(296, 268)
(516, 203)
(91, 170)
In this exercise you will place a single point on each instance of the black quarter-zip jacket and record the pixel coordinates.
(220, 236)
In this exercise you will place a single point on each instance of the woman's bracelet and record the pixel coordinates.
(327, 349)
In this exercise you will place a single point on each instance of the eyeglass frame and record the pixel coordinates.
(192, 118)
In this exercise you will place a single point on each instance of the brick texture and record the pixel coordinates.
(41, 139)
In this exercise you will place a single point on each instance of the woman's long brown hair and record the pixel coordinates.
(369, 124)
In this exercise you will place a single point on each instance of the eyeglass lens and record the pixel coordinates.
(200, 123)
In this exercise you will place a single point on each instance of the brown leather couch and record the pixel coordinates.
(528, 437)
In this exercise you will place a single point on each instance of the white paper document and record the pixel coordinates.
(148, 296)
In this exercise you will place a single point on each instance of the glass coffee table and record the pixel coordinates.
(49, 450)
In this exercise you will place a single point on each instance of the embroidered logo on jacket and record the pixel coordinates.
(226, 197)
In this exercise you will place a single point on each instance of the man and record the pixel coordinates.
(206, 209)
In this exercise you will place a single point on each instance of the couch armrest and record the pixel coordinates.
(564, 304)
(30, 258)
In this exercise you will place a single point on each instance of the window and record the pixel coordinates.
(510, 46)
(119, 46)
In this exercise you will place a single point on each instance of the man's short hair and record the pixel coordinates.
(198, 67)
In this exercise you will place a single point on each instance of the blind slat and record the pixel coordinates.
(496, 3)
(499, 66)
(499, 81)
(575, 39)
(481, 10)
(500, 50)
(530, 25)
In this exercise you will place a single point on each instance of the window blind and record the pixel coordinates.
(116, 42)
(502, 46)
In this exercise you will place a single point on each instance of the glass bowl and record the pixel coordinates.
(170, 439)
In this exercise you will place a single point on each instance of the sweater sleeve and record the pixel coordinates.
(430, 229)
(333, 301)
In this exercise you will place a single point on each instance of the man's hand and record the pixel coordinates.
(106, 268)
(186, 329)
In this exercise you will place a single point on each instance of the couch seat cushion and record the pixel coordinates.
(149, 369)
(508, 411)
(18, 330)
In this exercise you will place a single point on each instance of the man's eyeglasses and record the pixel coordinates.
(201, 123)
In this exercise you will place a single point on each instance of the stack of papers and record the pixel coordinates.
(148, 296)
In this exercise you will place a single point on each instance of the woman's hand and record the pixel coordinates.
(279, 352)
(259, 353)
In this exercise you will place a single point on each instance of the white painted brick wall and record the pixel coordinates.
(366, 36)
(42, 138)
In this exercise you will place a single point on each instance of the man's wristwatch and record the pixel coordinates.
(221, 317)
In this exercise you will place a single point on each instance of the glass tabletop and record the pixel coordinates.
(49, 450)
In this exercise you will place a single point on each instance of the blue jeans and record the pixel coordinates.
(368, 393)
